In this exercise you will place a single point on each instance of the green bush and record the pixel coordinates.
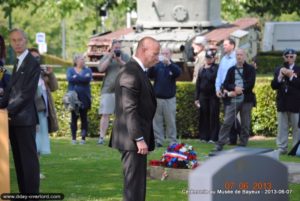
(264, 120)
(268, 61)
(64, 117)
(263, 115)
(187, 113)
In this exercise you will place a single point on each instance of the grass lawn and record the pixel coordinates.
(93, 172)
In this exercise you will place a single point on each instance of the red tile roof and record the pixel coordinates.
(106, 39)
(219, 34)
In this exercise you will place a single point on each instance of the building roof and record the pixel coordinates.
(106, 39)
(220, 34)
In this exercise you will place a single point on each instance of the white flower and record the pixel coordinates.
(183, 149)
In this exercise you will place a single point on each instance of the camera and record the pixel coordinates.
(43, 68)
(161, 58)
(117, 53)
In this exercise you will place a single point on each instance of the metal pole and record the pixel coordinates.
(10, 50)
(128, 18)
(63, 38)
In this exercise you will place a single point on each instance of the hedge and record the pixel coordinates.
(268, 61)
(263, 115)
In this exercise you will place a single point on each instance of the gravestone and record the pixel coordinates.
(246, 150)
(239, 176)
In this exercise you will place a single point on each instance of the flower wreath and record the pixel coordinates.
(180, 156)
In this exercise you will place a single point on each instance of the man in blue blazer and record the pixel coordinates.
(135, 108)
(286, 82)
(18, 99)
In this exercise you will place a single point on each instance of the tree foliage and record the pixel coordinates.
(81, 19)
(232, 9)
(273, 7)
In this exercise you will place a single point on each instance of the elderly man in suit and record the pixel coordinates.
(135, 108)
(286, 82)
(18, 99)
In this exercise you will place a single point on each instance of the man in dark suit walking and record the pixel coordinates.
(18, 99)
(135, 108)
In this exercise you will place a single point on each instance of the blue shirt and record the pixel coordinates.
(227, 61)
(80, 82)
(164, 79)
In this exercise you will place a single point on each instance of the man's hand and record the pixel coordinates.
(142, 147)
(49, 70)
(197, 103)
(238, 90)
(166, 61)
(219, 94)
(290, 73)
(232, 94)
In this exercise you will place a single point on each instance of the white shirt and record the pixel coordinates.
(139, 62)
(21, 58)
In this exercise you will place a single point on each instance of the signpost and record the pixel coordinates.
(40, 39)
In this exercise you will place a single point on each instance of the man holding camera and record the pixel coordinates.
(110, 63)
(286, 82)
(164, 74)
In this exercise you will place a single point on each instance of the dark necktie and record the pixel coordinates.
(15, 65)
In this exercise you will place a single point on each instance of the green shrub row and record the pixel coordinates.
(268, 61)
(263, 115)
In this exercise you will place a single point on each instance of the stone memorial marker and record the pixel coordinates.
(236, 176)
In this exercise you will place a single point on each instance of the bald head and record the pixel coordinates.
(147, 51)
(240, 57)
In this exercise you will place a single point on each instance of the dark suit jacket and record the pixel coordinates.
(249, 76)
(288, 91)
(19, 95)
(135, 109)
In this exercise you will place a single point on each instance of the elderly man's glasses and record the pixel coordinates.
(291, 56)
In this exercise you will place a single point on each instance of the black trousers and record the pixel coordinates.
(84, 123)
(134, 171)
(209, 121)
(22, 139)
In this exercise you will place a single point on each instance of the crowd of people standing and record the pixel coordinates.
(145, 113)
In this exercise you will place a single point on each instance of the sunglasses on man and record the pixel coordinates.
(287, 56)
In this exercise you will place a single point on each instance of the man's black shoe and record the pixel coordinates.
(215, 151)
(218, 148)
(159, 145)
